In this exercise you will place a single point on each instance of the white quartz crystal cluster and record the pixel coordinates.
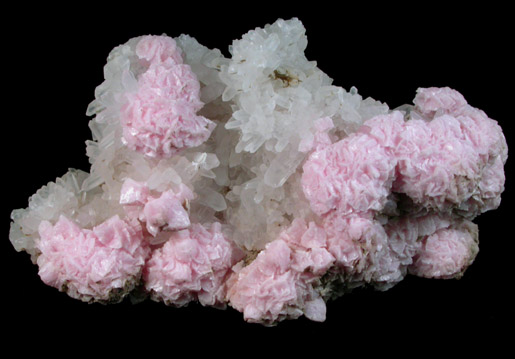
(276, 96)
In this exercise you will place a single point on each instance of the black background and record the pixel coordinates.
(53, 60)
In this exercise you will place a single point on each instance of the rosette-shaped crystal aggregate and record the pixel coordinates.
(102, 264)
(160, 119)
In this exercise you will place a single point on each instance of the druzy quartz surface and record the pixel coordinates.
(252, 182)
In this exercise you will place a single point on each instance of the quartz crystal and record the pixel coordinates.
(253, 182)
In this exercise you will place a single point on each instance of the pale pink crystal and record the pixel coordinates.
(192, 265)
(264, 288)
(278, 284)
(167, 211)
(352, 175)
(359, 243)
(432, 245)
(160, 119)
(159, 49)
(440, 167)
(134, 193)
(102, 264)
(447, 252)
(429, 100)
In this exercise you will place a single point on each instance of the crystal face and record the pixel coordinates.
(253, 182)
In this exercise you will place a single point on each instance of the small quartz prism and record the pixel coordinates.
(253, 182)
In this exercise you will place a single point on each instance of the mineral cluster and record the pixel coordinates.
(253, 182)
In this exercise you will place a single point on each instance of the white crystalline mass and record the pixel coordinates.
(279, 94)
(276, 96)
(264, 100)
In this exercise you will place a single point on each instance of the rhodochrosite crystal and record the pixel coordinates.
(253, 182)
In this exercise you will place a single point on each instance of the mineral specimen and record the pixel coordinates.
(253, 182)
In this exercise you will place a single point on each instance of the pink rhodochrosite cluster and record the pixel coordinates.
(101, 264)
(395, 196)
(253, 182)
(159, 119)
(279, 283)
(192, 265)
(168, 211)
